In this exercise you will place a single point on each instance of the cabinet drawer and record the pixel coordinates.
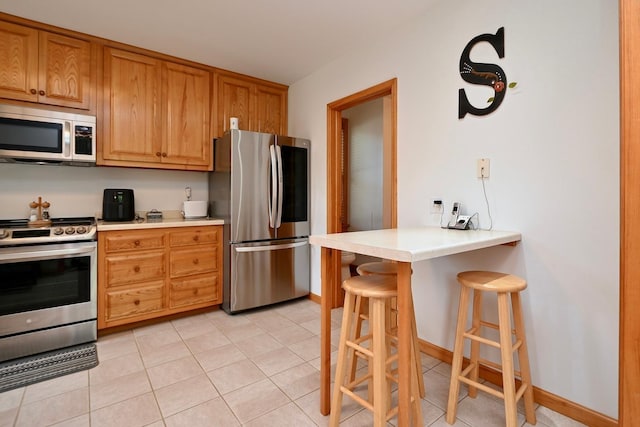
(194, 290)
(135, 268)
(133, 241)
(201, 259)
(194, 236)
(135, 302)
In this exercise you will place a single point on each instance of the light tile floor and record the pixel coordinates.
(255, 369)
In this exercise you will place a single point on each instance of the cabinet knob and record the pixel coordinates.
(195, 292)
(41, 93)
(33, 91)
(137, 243)
(136, 302)
(136, 269)
(164, 154)
(196, 238)
(196, 261)
(157, 154)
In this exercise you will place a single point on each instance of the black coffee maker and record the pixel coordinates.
(118, 205)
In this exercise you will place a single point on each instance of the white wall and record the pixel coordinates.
(77, 191)
(365, 165)
(554, 150)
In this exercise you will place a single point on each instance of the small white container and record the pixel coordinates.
(194, 208)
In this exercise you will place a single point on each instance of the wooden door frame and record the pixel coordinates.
(629, 346)
(388, 91)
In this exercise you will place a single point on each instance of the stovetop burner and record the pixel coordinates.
(18, 232)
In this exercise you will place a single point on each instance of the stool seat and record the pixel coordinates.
(385, 268)
(371, 286)
(492, 281)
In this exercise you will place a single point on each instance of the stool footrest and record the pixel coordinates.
(470, 335)
(345, 390)
(360, 348)
(481, 386)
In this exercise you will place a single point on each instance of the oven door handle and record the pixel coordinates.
(22, 254)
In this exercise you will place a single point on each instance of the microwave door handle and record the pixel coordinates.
(280, 189)
(274, 185)
(66, 143)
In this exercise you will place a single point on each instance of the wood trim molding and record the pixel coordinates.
(540, 396)
(388, 91)
(629, 350)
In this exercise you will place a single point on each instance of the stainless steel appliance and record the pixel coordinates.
(36, 135)
(48, 286)
(260, 186)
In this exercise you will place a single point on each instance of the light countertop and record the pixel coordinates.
(169, 219)
(414, 244)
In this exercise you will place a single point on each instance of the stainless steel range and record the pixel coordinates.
(48, 285)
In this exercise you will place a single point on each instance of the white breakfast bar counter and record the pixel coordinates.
(404, 245)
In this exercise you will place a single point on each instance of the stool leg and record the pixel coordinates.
(416, 348)
(506, 351)
(456, 363)
(416, 374)
(353, 363)
(347, 319)
(475, 345)
(377, 325)
(523, 358)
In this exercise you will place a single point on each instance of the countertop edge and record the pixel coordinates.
(165, 223)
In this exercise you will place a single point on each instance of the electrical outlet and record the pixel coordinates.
(437, 206)
(482, 168)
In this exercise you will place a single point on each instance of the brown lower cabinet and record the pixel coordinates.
(143, 274)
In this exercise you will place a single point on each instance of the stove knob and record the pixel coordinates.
(69, 230)
(58, 231)
(81, 229)
(4, 234)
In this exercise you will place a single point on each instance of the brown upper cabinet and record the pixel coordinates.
(156, 113)
(259, 105)
(43, 67)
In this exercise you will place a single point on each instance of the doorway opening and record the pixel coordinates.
(337, 192)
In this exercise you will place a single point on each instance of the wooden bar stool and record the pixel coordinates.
(391, 269)
(504, 285)
(379, 290)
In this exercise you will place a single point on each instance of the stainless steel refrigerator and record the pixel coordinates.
(260, 186)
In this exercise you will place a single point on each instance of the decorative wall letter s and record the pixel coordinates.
(482, 74)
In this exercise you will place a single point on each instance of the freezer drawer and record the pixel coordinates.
(267, 272)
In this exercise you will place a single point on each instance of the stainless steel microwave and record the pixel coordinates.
(45, 136)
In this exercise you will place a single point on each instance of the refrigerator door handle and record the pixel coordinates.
(274, 185)
(280, 190)
(271, 247)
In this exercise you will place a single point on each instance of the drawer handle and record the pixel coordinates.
(136, 269)
(136, 302)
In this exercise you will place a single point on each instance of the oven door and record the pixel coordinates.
(47, 286)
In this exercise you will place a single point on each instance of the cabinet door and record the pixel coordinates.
(18, 62)
(271, 110)
(234, 99)
(131, 112)
(65, 71)
(186, 138)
